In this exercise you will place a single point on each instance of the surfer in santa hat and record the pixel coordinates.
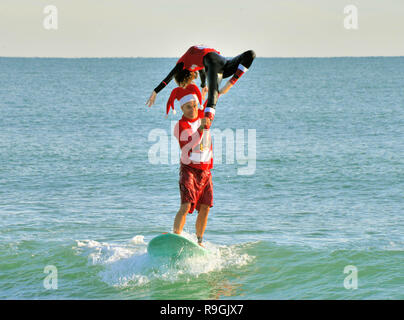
(208, 62)
(195, 179)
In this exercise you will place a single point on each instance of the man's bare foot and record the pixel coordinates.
(200, 243)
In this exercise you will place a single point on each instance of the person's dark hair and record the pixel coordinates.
(184, 76)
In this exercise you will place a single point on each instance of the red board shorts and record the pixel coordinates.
(195, 187)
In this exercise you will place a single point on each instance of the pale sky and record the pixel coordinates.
(166, 28)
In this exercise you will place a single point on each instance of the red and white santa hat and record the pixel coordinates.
(184, 95)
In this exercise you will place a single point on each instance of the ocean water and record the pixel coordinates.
(81, 192)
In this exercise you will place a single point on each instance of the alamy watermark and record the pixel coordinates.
(351, 19)
(351, 280)
(238, 148)
(50, 22)
(51, 280)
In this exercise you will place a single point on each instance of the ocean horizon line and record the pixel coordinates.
(141, 57)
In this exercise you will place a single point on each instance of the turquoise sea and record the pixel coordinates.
(81, 194)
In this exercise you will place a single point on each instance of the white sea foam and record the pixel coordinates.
(129, 264)
(105, 253)
(138, 239)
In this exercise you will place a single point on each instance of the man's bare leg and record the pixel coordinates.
(181, 216)
(226, 87)
(201, 221)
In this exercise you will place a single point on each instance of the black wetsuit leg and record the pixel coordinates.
(245, 59)
(214, 66)
(218, 66)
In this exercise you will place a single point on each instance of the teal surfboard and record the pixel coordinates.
(172, 245)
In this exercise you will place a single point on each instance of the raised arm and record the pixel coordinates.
(163, 83)
(186, 138)
(170, 76)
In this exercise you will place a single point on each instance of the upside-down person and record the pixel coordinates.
(207, 61)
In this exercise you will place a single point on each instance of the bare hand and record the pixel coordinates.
(205, 122)
(152, 98)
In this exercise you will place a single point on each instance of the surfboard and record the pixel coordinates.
(173, 245)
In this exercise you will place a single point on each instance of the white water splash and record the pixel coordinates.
(129, 264)
(138, 240)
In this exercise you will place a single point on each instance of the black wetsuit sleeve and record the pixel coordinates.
(170, 76)
(202, 75)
